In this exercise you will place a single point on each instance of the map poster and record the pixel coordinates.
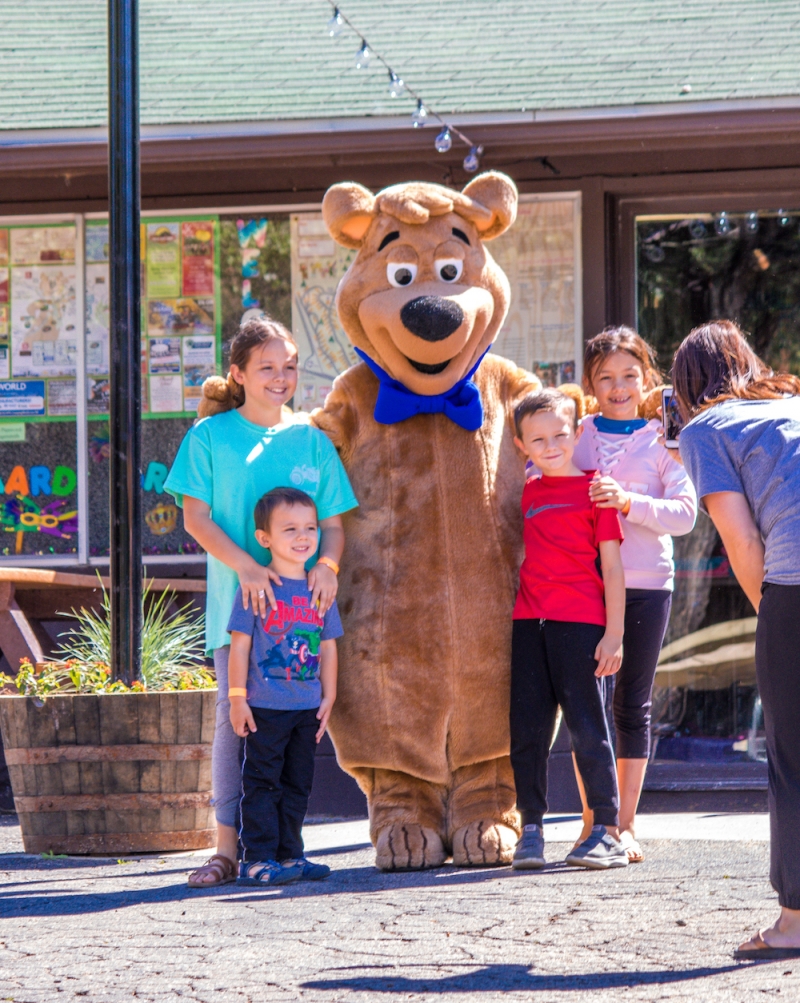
(317, 264)
(539, 256)
(198, 258)
(44, 324)
(36, 245)
(98, 318)
(96, 238)
(163, 272)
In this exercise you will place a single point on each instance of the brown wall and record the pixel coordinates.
(622, 166)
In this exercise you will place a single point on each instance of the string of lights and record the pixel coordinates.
(367, 55)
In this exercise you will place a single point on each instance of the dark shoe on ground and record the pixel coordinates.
(599, 852)
(529, 854)
(268, 872)
(309, 870)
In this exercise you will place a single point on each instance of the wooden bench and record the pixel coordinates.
(29, 596)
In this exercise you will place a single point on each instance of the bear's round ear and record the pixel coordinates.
(496, 193)
(347, 210)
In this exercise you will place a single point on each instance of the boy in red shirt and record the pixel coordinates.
(567, 632)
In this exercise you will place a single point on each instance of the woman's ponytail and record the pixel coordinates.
(223, 394)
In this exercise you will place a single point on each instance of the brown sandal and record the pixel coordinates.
(222, 869)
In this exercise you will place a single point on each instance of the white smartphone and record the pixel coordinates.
(670, 418)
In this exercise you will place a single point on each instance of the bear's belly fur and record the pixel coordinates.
(427, 586)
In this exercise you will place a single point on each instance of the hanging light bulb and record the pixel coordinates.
(472, 161)
(363, 56)
(722, 224)
(336, 24)
(396, 86)
(420, 115)
(751, 222)
(443, 141)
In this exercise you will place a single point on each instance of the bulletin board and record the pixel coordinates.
(181, 313)
(38, 321)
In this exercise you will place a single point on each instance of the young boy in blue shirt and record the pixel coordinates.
(282, 686)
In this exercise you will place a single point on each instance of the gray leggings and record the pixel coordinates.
(226, 753)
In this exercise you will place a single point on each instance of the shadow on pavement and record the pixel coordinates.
(40, 900)
(494, 978)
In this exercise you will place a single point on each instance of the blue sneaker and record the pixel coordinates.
(310, 870)
(529, 854)
(599, 852)
(269, 872)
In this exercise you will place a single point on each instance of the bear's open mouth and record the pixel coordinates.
(430, 368)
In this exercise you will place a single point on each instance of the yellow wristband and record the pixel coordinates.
(237, 691)
(330, 563)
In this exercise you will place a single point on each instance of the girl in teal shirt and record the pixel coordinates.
(225, 463)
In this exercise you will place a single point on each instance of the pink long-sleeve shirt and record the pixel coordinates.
(663, 501)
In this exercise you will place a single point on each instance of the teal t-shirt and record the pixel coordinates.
(229, 463)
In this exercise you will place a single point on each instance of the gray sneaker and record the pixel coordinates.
(529, 854)
(600, 851)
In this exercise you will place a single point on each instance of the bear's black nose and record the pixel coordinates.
(432, 317)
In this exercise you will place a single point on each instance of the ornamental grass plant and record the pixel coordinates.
(172, 654)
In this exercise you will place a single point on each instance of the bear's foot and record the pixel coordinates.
(483, 844)
(409, 847)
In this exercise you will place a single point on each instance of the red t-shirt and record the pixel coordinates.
(559, 578)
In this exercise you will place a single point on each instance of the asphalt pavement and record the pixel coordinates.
(103, 930)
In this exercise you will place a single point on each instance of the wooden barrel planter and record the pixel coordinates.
(111, 774)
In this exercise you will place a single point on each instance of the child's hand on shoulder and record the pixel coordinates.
(323, 714)
(605, 492)
(608, 655)
(242, 719)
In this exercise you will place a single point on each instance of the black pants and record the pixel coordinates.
(553, 663)
(646, 619)
(277, 773)
(778, 674)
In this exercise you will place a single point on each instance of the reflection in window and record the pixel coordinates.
(691, 269)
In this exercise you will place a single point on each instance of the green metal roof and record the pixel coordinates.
(244, 60)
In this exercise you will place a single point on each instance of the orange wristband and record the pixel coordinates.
(330, 563)
(237, 691)
(627, 506)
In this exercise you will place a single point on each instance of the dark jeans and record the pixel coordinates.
(646, 619)
(553, 663)
(277, 773)
(778, 674)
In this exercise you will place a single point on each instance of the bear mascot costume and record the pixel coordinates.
(430, 570)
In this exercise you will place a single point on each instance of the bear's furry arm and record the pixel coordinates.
(339, 418)
(513, 383)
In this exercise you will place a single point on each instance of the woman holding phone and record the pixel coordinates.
(741, 447)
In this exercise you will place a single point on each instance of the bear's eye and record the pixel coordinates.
(449, 269)
(399, 274)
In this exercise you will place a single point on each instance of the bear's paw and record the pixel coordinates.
(483, 844)
(408, 847)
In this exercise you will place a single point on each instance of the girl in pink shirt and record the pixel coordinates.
(654, 496)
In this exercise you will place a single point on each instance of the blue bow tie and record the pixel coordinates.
(461, 404)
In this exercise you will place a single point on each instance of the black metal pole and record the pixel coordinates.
(125, 292)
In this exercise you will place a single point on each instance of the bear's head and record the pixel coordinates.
(423, 298)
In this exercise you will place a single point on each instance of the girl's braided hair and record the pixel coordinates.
(224, 394)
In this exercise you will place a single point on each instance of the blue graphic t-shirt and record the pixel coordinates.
(284, 657)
